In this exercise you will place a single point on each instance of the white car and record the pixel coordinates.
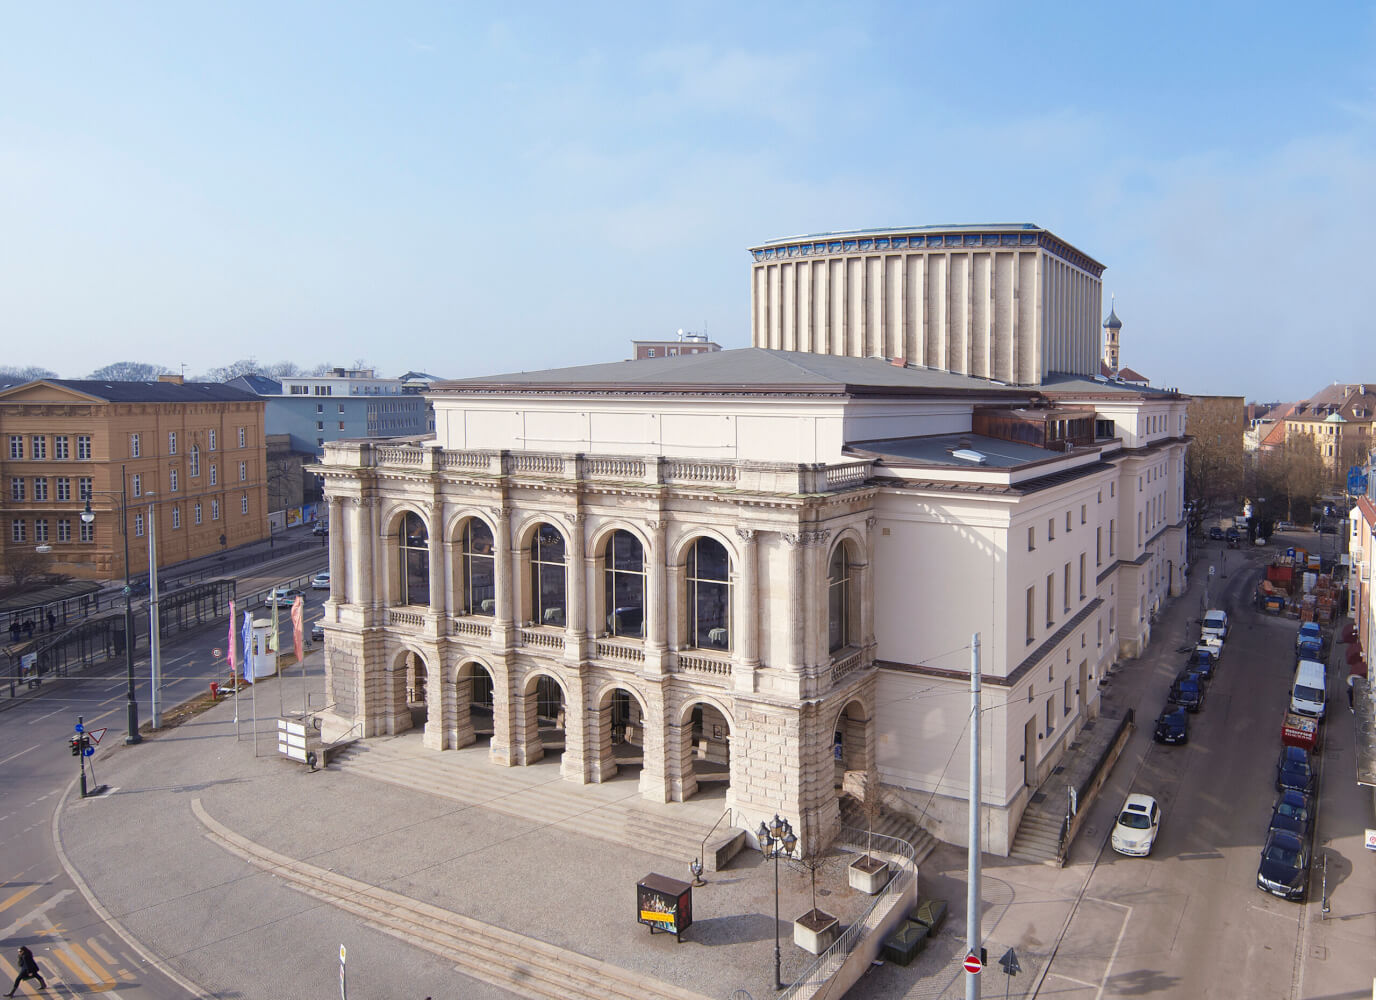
(1137, 826)
(1215, 625)
(321, 581)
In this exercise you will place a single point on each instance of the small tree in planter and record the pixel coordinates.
(816, 929)
(868, 873)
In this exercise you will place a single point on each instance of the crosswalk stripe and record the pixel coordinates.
(91, 961)
(17, 897)
(105, 955)
(71, 961)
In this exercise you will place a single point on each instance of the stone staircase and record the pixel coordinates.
(522, 965)
(890, 824)
(1038, 838)
(611, 812)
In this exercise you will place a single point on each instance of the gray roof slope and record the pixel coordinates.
(1062, 382)
(152, 392)
(261, 385)
(747, 368)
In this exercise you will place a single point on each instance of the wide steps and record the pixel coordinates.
(523, 965)
(890, 825)
(669, 834)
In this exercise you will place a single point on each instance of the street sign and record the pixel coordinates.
(87, 752)
(1009, 961)
(80, 728)
(96, 734)
(971, 964)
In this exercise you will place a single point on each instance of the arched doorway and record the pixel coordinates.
(704, 752)
(408, 690)
(541, 718)
(474, 708)
(854, 762)
(618, 736)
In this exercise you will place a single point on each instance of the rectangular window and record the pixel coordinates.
(1031, 614)
(650, 352)
(319, 407)
(241, 437)
(1082, 576)
(40, 488)
(17, 489)
(341, 407)
(1066, 588)
(320, 425)
(1099, 632)
(18, 530)
(40, 446)
(64, 529)
(1050, 715)
(1067, 521)
(88, 531)
(1111, 615)
(134, 446)
(1050, 599)
(83, 488)
(172, 479)
(1084, 510)
(1031, 539)
(341, 425)
(16, 446)
(83, 447)
(1050, 529)
(138, 525)
(214, 510)
(64, 489)
(193, 462)
(176, 516)
(171, 442)
(1110, 538)
(1065, 698)
(136, 484)
(243, 504)
(212, 440)
(61, 449)
(1112, 490)
(196, 512)
(40, 530)
(243, 472)
(213, 474)
(1099, 546)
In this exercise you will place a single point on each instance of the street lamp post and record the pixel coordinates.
(88, 516)
(777, 839)
(154, 632)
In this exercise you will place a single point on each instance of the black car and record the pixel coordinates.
(1216, 533)
(1172, 726)
(1293, 771)
(1187, 691)
(1292, 814)
(1202, 663)
(1284, 868)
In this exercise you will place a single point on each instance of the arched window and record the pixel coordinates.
(838, 599)
(478, 569)
(547, 576)
(625, 583)
(413, 542)
(709, 595)
(194, 462)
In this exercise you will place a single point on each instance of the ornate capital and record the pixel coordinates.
(501, 513)
(658, 525)
(871, 521)
(746, 534)
(794, 538)
(820, 536)
(577, 518)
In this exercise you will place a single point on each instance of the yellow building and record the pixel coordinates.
(188, 458)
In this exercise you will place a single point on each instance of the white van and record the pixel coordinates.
(1309, 690)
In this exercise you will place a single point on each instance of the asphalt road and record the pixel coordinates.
(1189, 921)
(39, 904)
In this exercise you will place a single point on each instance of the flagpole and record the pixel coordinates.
(277, 657)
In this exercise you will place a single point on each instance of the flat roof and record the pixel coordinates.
(936, 449)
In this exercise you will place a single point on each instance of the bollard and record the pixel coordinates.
(214, 691)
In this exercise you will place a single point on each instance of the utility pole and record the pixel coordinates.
(972, 894)
(154, 638)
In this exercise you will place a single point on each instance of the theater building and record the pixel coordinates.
(760, 568)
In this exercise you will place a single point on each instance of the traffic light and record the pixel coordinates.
(75, 741)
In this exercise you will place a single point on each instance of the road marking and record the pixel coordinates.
(16, 897)
(42, 717)
(20, 753)
(81, 961)
(1113, 955)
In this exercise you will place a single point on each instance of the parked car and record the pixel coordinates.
(1187, 691)
(282, 594)
(1293, 771)
(1172, 726)
(1284, 868)
(1215, 624)
(1309, 637)
(1284, 526)
(320, 528)
(321, 581)
(317, 631)
(1216, 533)
(1233, 536)
(1137, 826)
(1292, 813)
(1202, 662)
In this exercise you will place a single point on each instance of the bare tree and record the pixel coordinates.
(252, 366)
(128, 371)
(26, 566)
(1215, 463)
(814, 918)
(27, 374)
(1295, 471)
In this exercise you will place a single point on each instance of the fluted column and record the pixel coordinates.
(576, 576)
(339, 573)
(501, 544)
(749, 613)
(656, 598)
(439, 604)
(814, 586)
(866, 595)
(365, 538)
(797, 598)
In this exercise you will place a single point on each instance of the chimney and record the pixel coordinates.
(173, 379)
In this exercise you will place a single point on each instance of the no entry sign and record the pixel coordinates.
(972, 964)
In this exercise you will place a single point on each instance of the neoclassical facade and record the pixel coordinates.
(752, 571)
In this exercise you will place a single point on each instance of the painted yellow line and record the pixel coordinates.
(84, 975)
(95, 947)
(91, 961)
(16, 897)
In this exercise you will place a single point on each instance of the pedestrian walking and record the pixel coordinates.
(14, 629)
(52, 622)
(28, 628)
(28, 969)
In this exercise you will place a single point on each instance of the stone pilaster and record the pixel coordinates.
(574, 766)
(502, 749)
(576, 570)
(797, 598)
(601, 759)
(748, 604)
(439, 603)
(654, 774)
(502, 624)
(656, 599)
(339, 571)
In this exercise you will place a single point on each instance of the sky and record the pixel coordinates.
(469, 189)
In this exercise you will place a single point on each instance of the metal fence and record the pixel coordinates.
(896, 852)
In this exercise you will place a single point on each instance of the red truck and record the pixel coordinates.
(1299, 731)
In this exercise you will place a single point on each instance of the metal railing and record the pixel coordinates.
(851, 840)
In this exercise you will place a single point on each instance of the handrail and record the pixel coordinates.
(702, 850)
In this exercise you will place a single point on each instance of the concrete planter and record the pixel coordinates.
(868, 874)
(816, 931)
